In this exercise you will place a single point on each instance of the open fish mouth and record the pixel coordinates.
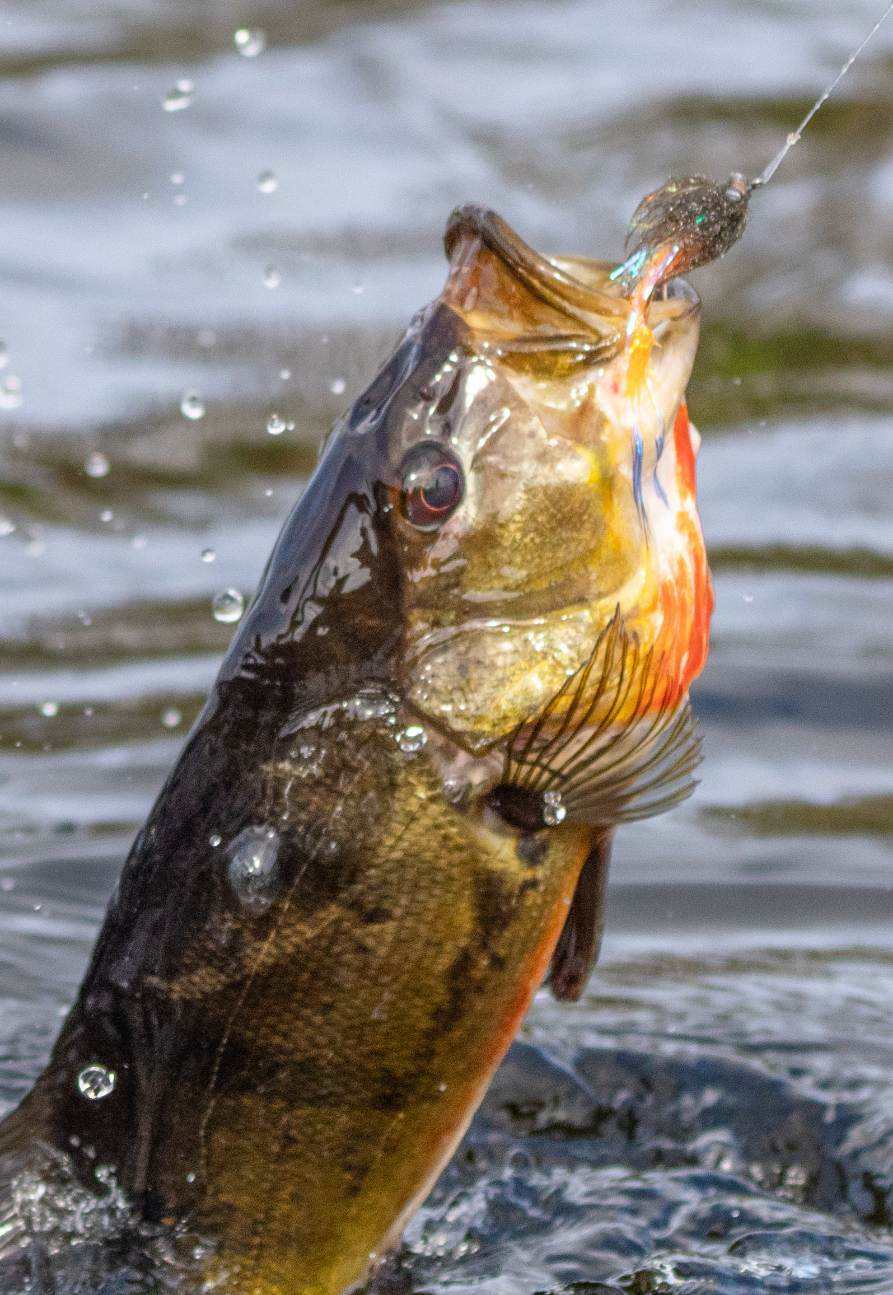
(586, 294)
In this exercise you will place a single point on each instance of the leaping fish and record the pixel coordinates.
(467, 663)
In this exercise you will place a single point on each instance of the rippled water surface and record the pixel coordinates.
(717, 1114)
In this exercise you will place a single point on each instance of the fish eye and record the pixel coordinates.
(432, 485)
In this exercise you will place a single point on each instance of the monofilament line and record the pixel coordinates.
(795, 135)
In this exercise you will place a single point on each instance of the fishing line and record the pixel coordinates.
(794, 137)
(685, 224)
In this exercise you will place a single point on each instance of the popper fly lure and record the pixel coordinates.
(683, 225)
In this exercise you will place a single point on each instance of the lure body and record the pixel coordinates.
(396, 807)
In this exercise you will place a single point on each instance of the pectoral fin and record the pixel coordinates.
(616, 743)
(578, 945)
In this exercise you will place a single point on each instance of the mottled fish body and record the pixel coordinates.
(468, 660)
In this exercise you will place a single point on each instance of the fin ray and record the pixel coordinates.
(613, 740)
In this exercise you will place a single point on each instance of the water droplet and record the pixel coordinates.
(10, 392)
(96, 465)
(6, 526)
(268, 182)
(7, 884)
(250, 41)
(228, 606)
(455, 790)
(276, 424)
(370, 705)
(179, 97)
(553, 810)
(106, 515)
(177, 177)
(49, 708)
(214, 840)
(209, 555)
(337, 386)
(412, 738)
(138, 542)
(4, 355)
(272, 277)
(285, 374)
(253, 871)
(190, 1177)
(171, 717)
(96, 1081)
(206, 338)
(192, 406)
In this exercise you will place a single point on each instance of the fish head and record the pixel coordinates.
(502, 529)
(543, 503)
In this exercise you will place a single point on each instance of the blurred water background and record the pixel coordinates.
(205, 237)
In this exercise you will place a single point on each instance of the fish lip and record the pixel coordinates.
(557, 282)
(547, 279)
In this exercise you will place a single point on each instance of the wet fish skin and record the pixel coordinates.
(328, 931)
